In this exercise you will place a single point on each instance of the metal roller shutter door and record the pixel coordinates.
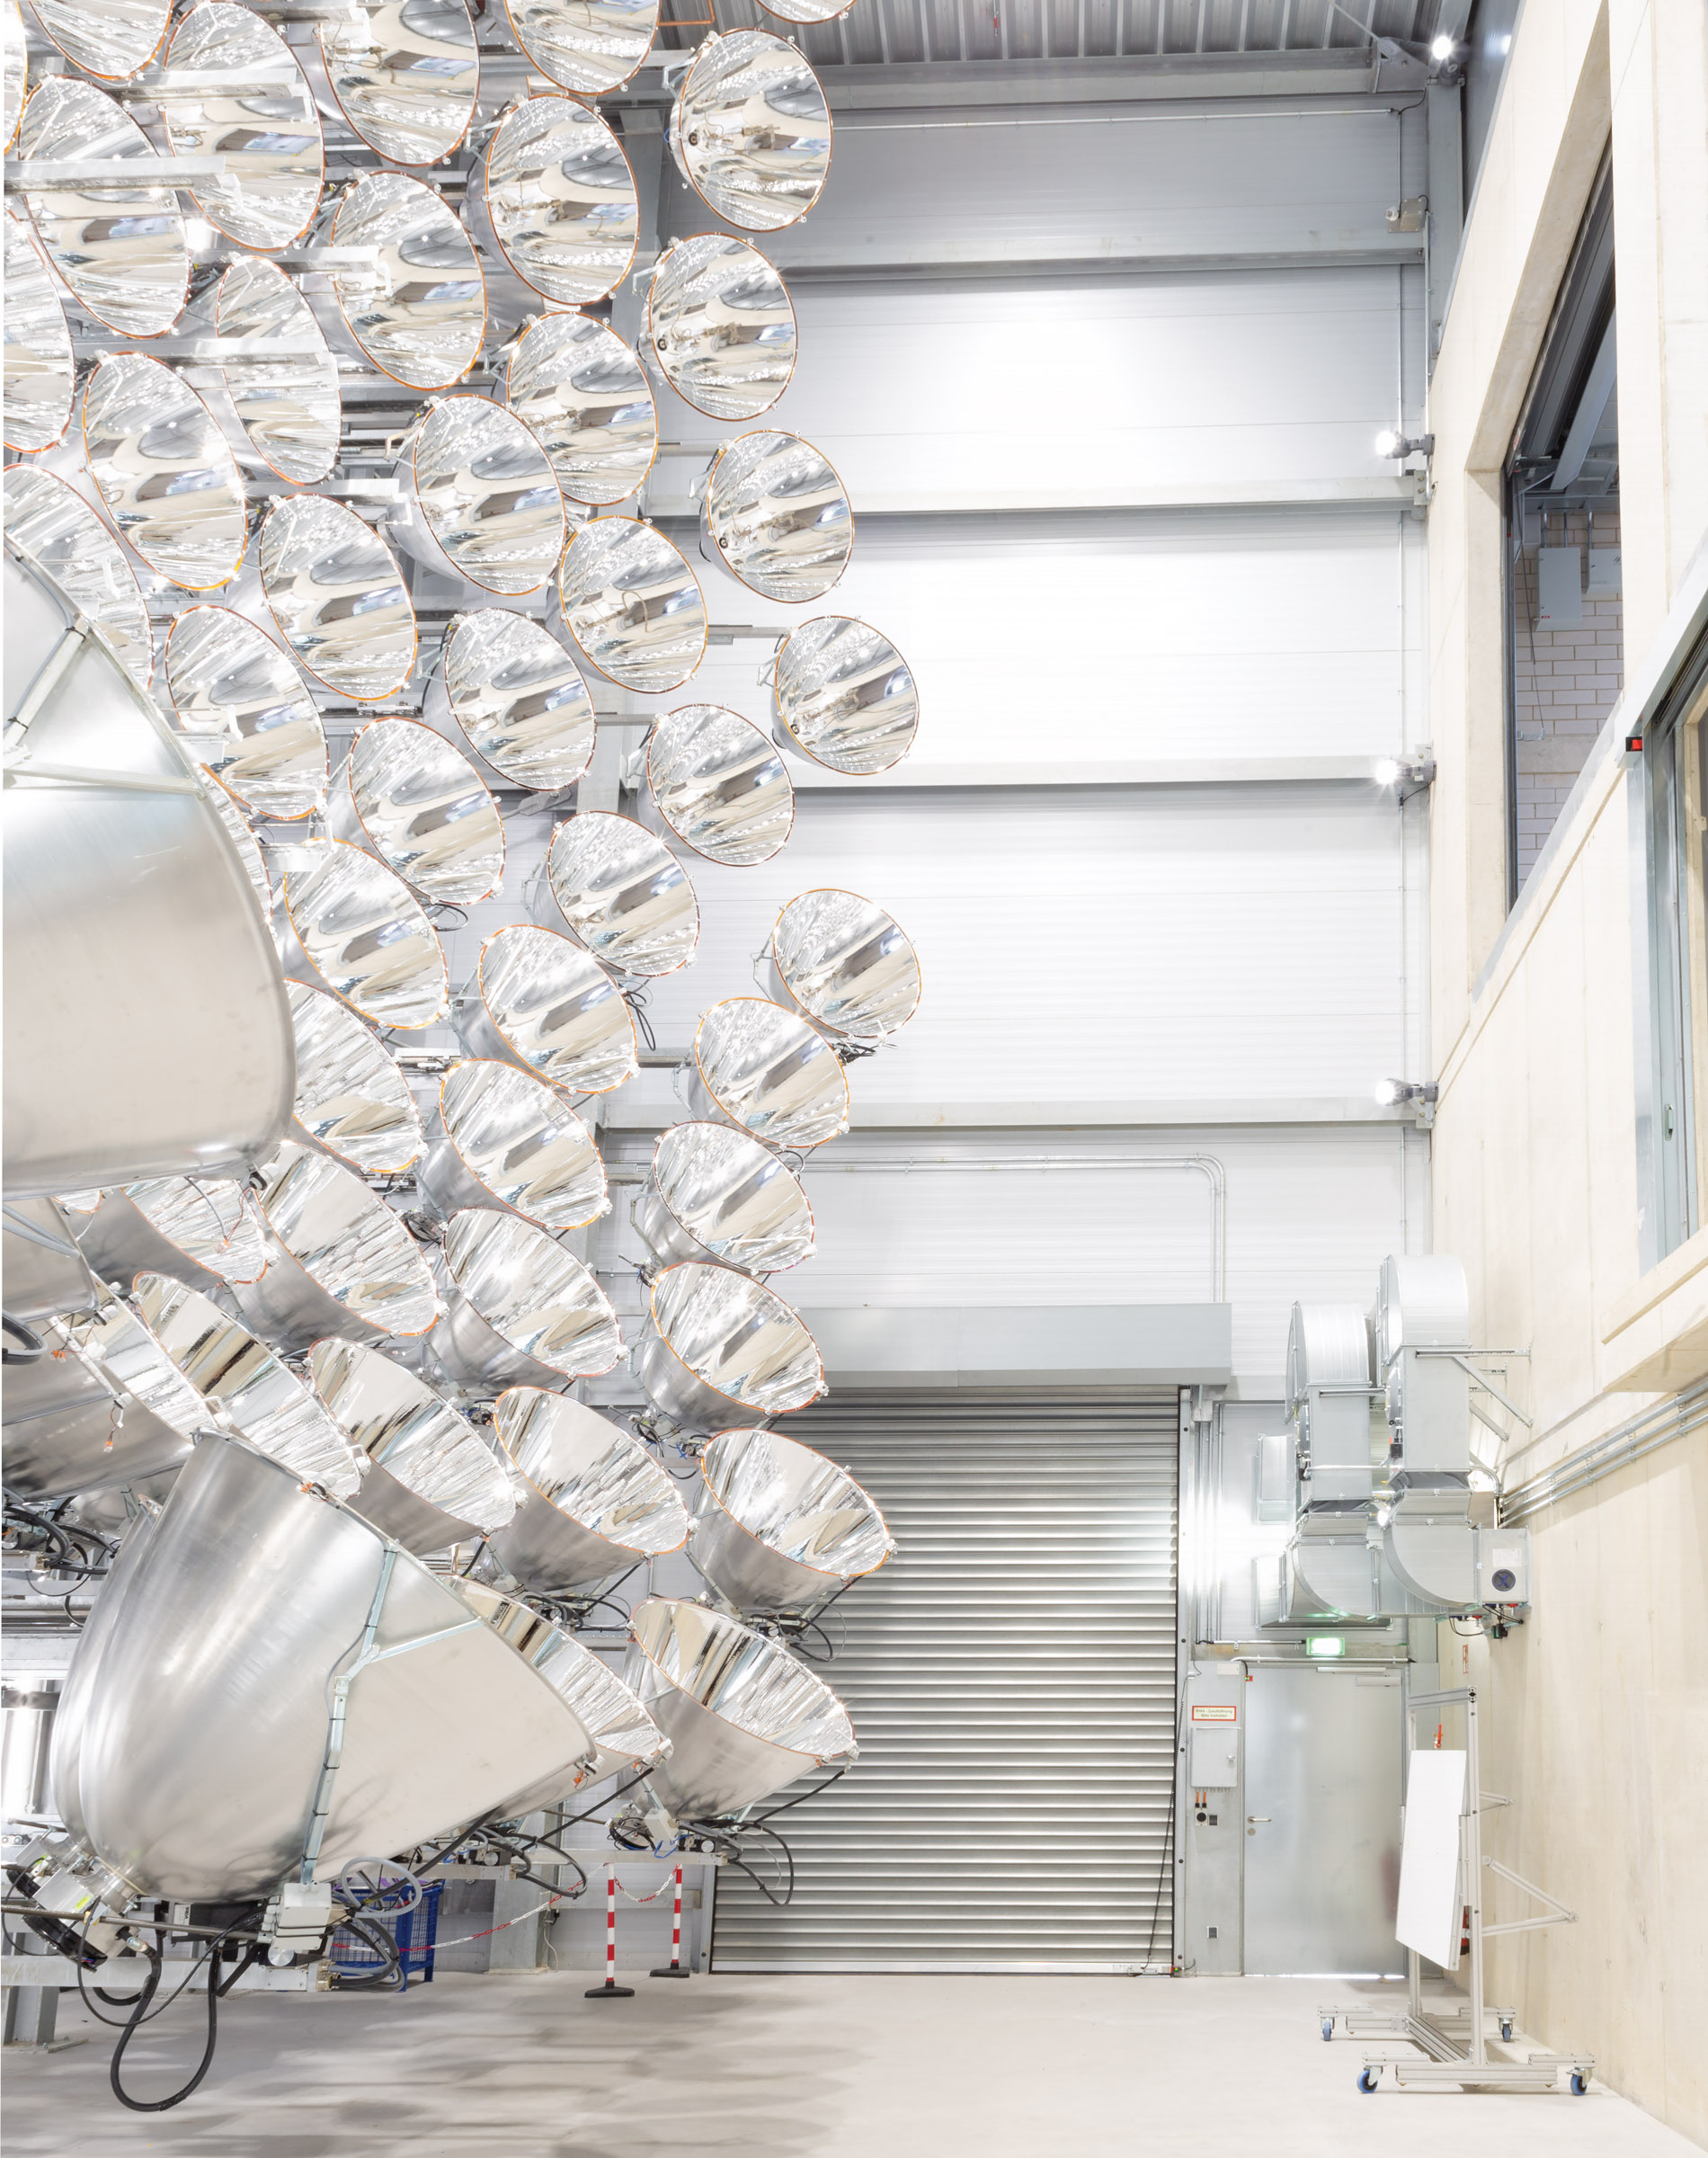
(1011, 1677)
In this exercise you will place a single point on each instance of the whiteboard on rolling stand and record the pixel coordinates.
(1430, 1898)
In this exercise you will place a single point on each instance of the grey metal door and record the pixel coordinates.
(1011, 1677)
(1322, 1821)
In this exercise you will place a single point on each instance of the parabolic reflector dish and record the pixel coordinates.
(206, 1233)
(430, 1480)
(808, 12)
(291, 407)
(105, 1405)
(621, 892)
(166, 472)
(521, 1312)
(777, 515)
(765, 1069)
(55, 528)
(246, 1387)
(715, 1194)
(406, 796)
(351, 1099)
(485, 498)
(269, 138)
(751, 130)
(339, 1260)
(14, 67)
(719, 785)
(622, 1733)
(405, 74)
(582, 392)
(338, 597)
(743, 1716)
(346, 922)
(140, 1745)
(241, 834)
(846, 964)
(633, 605)
(596, 1501)
(517, 697)
(561, 201)
(110, 39)
(419, 313)
(40, 369)
(229, 681)
(545, 1005)
(121, 250)
(846, 695)
(587, 46)
(503, 1137)
(723, 1345)
(782, 1528)
(721, 325)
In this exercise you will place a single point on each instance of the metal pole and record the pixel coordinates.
(1473, 1880)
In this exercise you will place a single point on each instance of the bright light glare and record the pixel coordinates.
(1389, 1093)
(1387, 773)
(1387, 444)
(1442, 48)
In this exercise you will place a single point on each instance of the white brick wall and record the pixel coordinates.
(1567, 683)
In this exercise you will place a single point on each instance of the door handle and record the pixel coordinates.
(1258, 1816)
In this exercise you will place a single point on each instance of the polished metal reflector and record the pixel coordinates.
(586, 46)
(201, 1664)
(430, 1480)
(14, 68)
(247, 1389)
(122, 249)
(256, 725)
(633, 605)
(54, 527)
(777, 515)
(623, 1734)
(166, 472)
(104, 1405)
(406, 75)
(338, 597)
(721, 325)
(267, 130)
(289, 407)
(766, 1070)
(582, 392)
(406, 796)
(419, 313)
(517, 697)
(808, 12)
(743, 1716)
(846, 964)
(724, 1342)
(484, 497)
(519, 1310)
(339, 1260)
(846, 695)
(503, 1137)
(110, 39)
(351, 1099)
(781, 1528)
(558, 194)
(205, 1234)
(595, 1502)
(621, 892)
(40, 369)
(541, 1003)
(719, 785)
(751, 130)
(715, 1194)
(346, 922)
(241, 836)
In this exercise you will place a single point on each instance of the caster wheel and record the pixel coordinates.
(1367, 2079)
(1505, 2033)
(1328, 2029)
(1579, 2084)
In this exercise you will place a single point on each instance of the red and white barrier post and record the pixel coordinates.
(673, 1969)
(610, 1990)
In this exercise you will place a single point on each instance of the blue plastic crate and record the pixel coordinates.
(415, 1932)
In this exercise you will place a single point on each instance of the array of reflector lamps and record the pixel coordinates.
(329, 555)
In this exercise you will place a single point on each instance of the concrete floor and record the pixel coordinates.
(783, 2067)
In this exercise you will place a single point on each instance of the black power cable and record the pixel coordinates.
(139, 2016)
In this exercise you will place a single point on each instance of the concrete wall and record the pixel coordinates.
(1596, 1725)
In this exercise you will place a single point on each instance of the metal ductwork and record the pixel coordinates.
(1329, 1396)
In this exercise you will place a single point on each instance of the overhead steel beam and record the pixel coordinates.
(1186, 771)
(1198, 1114)
(1381, 494)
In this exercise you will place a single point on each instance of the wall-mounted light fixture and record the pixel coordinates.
(1391, 443)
